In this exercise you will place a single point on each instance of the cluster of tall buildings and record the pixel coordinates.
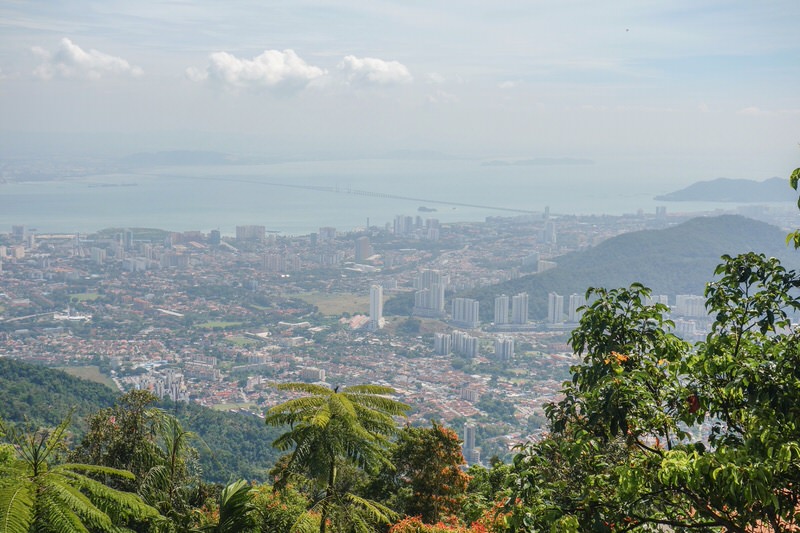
(555, 308)
(429, 297)
(457, 342)
(519, 309)
(504, 348)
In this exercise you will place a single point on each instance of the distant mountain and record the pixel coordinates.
(178, 158)
(234, 445)
(733, 190)
(538, 161)
(676, 260)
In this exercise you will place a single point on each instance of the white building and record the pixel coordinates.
(555, 308)
(519, 308)
(501, 310)
(575, 301)
(376, 320)
(466, 312)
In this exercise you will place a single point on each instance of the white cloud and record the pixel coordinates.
(436, 78)
(752, 111)
(71, 61)
(273, 69)
(372, 71)
(442, 97)
(507, 84)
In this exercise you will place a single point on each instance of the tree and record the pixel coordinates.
(39, 494)
(660, 433)
(136, 436)
(425, 478)
(794, 182)
(329, 429)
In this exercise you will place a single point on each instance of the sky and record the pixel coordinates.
(711, 87)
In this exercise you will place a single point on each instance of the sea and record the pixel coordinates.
(297, 198)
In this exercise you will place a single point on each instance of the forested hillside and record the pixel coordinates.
(677, 260)
(236, 445)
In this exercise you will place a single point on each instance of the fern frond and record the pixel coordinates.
(308, 388)
(16, 507)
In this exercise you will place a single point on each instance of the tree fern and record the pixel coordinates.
(327, 427)
(36, 494)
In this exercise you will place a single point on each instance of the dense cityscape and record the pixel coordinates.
(218, 320)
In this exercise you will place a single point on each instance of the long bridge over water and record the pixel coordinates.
(358, 192)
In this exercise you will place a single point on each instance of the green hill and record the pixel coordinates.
(238, 445)
(676, 260)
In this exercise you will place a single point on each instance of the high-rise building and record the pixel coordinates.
(429, 298)
(214, 237)
(363, 249)
(555, 308)
(471, 454)
(376, 307)
(326, 235)
(549, 232)
(464, 344)
(18, 234)
(575, 302)
(519, 308)
(98, 255)
(504, 348)
(403, 225)
(501, 310)
(690, 305)
(442, 343)
(127, 240)
(251, 233)
(466, 312)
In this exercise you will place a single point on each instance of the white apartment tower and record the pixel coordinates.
(429, 298)
(466, 312)
(501, 310)
(555, 308)
(575, 301)
(376, 307)
(504, 348)
(519, 308)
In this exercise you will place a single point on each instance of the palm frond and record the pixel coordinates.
(235, 508)
(377, 512)
(92, 469)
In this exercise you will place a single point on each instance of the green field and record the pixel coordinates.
(229, 406)
(337, 303)
(84, 296)
(219, 324)
(238, 340)
(89, 373)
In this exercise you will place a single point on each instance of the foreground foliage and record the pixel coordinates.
(37, 493)
(654, 432)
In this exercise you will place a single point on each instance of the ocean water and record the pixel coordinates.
(299, 198)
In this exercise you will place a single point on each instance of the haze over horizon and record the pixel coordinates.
(691, 90)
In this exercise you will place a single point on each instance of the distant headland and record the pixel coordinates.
(732, 190)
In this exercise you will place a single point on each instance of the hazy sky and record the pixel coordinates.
(701, 81)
